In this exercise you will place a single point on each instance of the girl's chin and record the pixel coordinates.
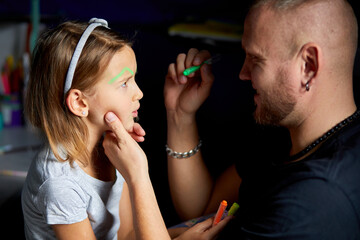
(129, 126)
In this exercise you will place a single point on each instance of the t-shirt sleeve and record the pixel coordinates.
(62, 201)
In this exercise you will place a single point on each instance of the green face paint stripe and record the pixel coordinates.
(120, 74)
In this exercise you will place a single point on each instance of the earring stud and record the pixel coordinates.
(83, 113)
(307, 87)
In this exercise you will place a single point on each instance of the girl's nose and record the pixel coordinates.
(138, 94)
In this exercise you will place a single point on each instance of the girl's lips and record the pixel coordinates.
(135, 113)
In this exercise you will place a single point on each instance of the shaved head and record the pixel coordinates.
(329, 23)
(295, 46)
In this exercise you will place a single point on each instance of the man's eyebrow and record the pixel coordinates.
(120, 74)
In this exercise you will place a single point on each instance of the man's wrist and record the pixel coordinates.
(187, 154)
(180, 120)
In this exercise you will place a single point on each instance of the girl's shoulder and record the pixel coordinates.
(46, 166)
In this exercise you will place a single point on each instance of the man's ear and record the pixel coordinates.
(77, 103)
(310, 56)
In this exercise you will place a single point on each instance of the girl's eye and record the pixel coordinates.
(124, 84)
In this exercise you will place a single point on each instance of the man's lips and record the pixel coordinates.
(254, 91)
(255, 94)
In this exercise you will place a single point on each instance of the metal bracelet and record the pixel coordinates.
(188, 154)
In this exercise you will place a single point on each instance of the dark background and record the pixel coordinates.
(226, 117)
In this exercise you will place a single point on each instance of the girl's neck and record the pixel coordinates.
(99, 166)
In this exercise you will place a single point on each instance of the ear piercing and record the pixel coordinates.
(83, 113)
(307, 87)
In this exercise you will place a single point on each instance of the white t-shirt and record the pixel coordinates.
(56, 193)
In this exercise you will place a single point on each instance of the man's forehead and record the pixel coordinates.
(256, 32)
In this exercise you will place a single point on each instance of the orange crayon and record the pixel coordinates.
(220, 212)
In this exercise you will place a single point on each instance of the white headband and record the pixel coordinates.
(93, 23)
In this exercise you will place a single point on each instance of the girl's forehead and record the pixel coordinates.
(123, 71)
(120, 60)
(121, 65)
(125, 56)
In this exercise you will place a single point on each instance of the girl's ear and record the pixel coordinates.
(310, 56)
(77, 103)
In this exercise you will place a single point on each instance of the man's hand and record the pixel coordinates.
(123, 151)
(186, 94)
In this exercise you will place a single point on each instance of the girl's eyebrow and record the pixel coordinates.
(120, 74)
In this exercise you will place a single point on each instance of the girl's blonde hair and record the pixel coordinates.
(45, 105)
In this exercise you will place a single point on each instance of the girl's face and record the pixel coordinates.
(116, 91)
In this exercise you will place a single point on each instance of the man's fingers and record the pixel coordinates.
(172, 73)
(214, 231)
(190, 57)
(138, 133)
(116, 126)
(137, 137)
(118, 130)
(138, 130)
(204, 225)
(180, 67)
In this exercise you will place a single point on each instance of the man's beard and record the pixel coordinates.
(276, 104)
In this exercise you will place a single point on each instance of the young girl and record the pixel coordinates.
(79, 72)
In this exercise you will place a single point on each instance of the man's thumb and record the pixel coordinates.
(110, 117)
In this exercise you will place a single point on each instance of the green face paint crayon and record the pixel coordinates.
(120, 74)
(192, 69)
(233, 209)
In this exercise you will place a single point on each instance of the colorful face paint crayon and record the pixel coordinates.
(233, 209)
(192, 69)
(220, 212)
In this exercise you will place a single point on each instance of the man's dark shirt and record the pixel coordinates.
(314, 198)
